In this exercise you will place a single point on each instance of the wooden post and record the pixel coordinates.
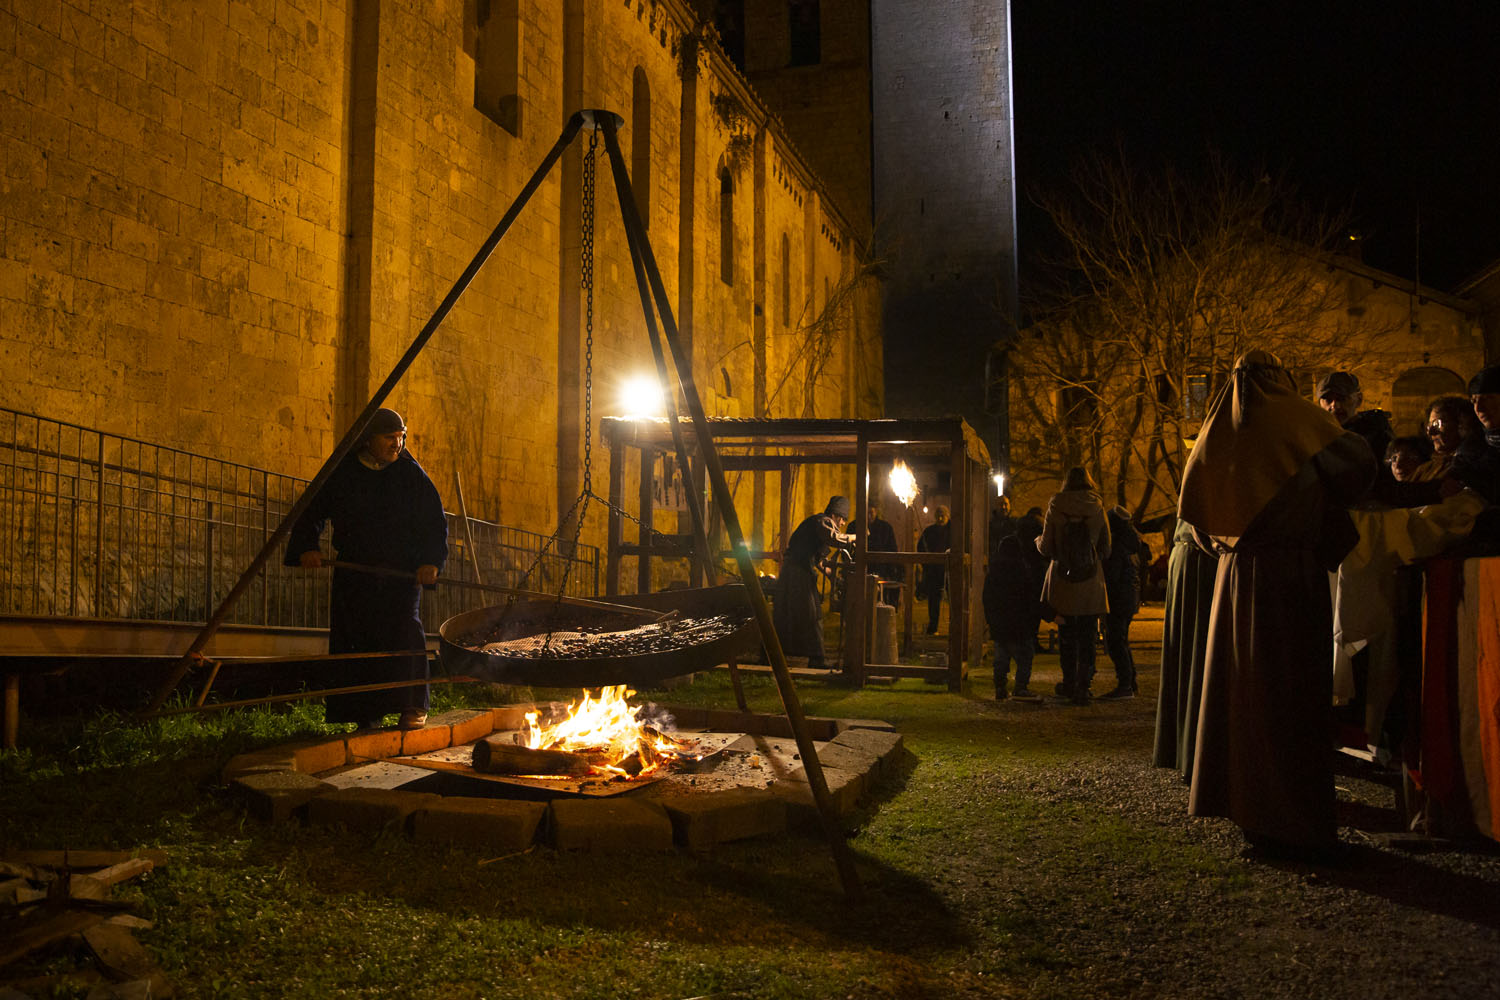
(12, 721)
(616, 519)
(856, 648)
(647, 539)
(958, 589)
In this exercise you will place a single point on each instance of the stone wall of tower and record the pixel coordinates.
(944, 198)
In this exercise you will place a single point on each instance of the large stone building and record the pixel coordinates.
(223, 223)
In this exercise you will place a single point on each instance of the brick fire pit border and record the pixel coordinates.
(283, 783)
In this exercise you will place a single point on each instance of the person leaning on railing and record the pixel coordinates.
(386, 514)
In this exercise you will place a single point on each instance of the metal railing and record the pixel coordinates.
(94, 525)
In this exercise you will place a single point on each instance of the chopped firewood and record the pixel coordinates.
(131, 921)
(121, 958)
(496, 756)
(86, 887)
(83, 859)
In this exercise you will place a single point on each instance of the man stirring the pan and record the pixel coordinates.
(798, 611)
(386, 514)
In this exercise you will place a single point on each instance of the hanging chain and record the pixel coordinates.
(586, 270)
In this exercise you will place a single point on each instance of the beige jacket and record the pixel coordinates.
(1085, 597)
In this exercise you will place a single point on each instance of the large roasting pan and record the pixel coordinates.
(531, 617)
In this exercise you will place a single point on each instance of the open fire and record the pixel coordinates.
(601, 736)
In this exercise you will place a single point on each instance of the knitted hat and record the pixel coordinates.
(838, 507)
(383, 422)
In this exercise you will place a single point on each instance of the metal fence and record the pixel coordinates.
(93, 525)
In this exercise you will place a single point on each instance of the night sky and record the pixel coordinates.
(1388, 107)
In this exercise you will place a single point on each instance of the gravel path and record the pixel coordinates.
(1396, 922)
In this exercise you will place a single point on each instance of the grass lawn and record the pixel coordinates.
(980, 862)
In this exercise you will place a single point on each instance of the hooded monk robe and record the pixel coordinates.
(1266, 487)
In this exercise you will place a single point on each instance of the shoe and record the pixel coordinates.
(1000, 694)
(375, 722)
(1082, 697)
(1024, 694)
(1118, 694)
(413, 718)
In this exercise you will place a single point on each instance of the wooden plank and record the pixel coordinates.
(124, 871)
(122, 958)
(86, 858)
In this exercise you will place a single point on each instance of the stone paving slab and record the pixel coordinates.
(468, 725)
(877, 724)
(844, 788)
(259, 762)
(699, 822)
(886, 746)
(322, 756)
(847, 758)
(277, 796)
(376, 774)
(366, 808)
(433, 736)
(376, 744)
(499, 825)
(610, 826)
(778, 756)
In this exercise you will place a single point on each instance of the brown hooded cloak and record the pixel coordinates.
(1266, 487)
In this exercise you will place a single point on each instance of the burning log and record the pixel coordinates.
(496, 755)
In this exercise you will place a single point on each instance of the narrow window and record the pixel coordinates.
(640, 144)
(497, 63)
(1195, 406)
(805, 29)
(726, 226)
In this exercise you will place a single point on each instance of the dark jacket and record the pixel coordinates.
(1122, 570)
(935, 538)
(390, 517)
(1012, 594)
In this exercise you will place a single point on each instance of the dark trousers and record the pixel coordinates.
(1020, 650)
(1117, 644)
(1076, 635)
(934, 608)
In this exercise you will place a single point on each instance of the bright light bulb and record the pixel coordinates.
(999, 479)
(641, 396)
(903, 483)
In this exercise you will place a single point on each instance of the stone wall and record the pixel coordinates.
(222, 226)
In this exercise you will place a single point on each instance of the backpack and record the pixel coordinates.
(1075, 553)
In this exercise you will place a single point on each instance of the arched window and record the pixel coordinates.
(640, 144)
(804, 23)
(726, 226)
(786, 280)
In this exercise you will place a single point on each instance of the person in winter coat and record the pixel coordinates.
(1011, 599)
(1075, 536)
(935, 538)
(1122, 582)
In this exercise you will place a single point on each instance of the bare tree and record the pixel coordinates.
(1163, 280)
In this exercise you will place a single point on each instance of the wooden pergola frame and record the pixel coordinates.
(778, 446)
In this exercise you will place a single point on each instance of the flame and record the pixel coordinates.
(606, 727)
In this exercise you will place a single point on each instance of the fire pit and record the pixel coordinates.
(687, 776)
